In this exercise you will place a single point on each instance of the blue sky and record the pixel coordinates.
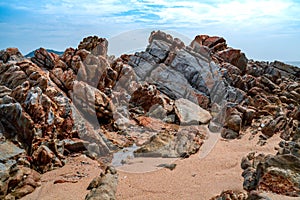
(263, 29)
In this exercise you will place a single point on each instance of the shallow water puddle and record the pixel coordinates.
(120, 157)
(124, 160)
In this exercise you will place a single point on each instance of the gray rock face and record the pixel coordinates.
(8, 150)
(190, 113)
(286, 70)
(16, 122)
(184, 74)
(189, 72)
(164, 78)
(9, 154)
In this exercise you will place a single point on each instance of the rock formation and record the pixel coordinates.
(104, 186)
(231, 195)
(160, 99)
(278, 173)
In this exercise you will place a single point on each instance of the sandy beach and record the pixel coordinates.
(197, 177)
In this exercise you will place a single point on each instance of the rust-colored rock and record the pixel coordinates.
(45, 59)
(86, 101)
(97, 46)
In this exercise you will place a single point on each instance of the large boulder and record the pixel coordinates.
(173, 144)
(190, 113)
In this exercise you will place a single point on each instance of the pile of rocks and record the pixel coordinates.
(278, 173)
(37, 115)
(235, 195)
(161, 99)
(231, 195)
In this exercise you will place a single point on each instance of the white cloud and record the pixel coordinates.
(177, 13)
(88, 7)
(233, 13)
(238, 21)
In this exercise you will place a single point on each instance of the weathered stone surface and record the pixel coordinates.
(234, 122)
(36, 112)
(214, 43)
(231, 195)
(44, 59)
(248, 115)
(21, 181)
(17, 123)
(187, 141)
(75, 145)
(147, 96)
(234, 57)
(64, 79)
(191, 74)
(44, 159)
(8, 150)
(104, 186)
(11, 55)
(92, 101)
(268, 127)
(164, 79)
(229, 134)
(86, 101)
(279, 174)
(97, 46)
(219, 48)
(190, 113)
(4, 91)
(286, 70)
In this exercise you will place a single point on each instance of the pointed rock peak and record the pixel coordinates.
(97, 46)
(11, 54)
(209, 41)
(159, 35)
